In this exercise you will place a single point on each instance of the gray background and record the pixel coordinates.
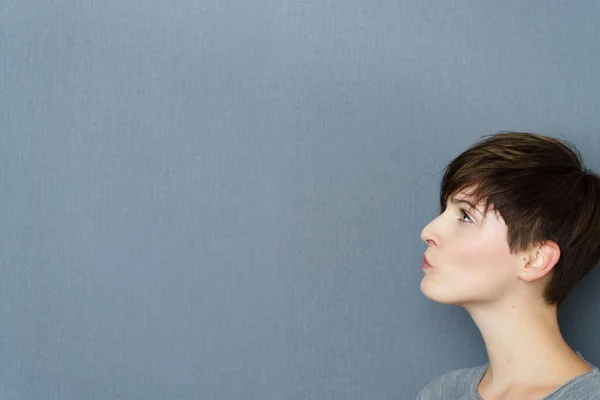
(223, 199)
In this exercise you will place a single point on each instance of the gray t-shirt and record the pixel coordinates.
(462, 385)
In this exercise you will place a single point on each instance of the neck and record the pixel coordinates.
(524, 345)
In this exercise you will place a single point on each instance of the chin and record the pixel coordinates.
(432, 294)
(441, 299)
(443, 295)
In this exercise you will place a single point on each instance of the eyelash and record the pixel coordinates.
(470, 221)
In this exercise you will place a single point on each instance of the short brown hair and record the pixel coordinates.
(540, 187)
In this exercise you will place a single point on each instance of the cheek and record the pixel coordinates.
(474, 265)
(470, 253)
(474, 270)
(496, 265)
(482, 256)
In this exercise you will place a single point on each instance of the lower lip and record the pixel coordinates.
(425, 266)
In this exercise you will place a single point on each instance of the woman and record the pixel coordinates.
(519, 228)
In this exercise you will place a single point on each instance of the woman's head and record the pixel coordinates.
(533, 210)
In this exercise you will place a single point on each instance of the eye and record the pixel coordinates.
(465, 217)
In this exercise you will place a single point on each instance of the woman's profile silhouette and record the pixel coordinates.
(519, 228)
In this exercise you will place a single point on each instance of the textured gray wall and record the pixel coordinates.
(223, 199)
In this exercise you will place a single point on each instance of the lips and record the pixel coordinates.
(426, 263)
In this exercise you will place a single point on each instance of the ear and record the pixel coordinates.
(540, 261)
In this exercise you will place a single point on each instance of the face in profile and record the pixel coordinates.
(471, 263)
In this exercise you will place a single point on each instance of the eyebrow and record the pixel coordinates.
(457, 201)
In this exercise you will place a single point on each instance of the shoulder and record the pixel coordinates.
(453, 384)
(586, 387)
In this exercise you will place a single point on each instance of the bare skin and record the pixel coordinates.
(529, 358)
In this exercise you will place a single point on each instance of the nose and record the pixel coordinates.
(428, 234)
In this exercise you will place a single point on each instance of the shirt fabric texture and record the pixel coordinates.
(462, 384)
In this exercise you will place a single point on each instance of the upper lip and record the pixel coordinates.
(427, 261)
